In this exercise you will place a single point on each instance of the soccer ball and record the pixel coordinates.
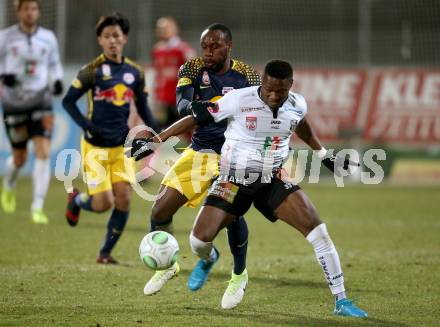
(159, 250)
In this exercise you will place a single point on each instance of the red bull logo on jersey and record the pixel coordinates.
(119, 95)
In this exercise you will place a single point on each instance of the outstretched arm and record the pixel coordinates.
(143, 147)
(305, 132)
(181, 126)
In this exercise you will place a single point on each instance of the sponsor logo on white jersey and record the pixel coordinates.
(251, 123)
(250, 109)
(227, 89)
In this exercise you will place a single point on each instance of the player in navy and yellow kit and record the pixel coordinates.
(205, 78)
(111, 82)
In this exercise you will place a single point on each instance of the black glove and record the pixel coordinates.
(140, 148)
(200, 112)
(9, 80)
(58, 87)
(336, 164)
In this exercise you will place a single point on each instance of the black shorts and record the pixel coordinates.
(22, 126)
(237, 198)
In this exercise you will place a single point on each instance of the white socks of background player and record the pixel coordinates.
(11, 173)
(40, 180)
(203, 250)
(328, 258)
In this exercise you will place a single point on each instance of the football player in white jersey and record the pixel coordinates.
(30, 73)
(261, 120)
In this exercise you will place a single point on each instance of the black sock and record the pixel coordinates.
(115, 226)
(238, 239)
(166, 225)
(84, 201)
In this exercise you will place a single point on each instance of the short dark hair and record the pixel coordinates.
(278, 69)
(114, 19)
(19, 3)
(221, 27)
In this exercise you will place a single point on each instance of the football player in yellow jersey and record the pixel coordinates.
(111, 82)
(208, 77)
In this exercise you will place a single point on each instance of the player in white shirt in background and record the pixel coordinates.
(30, 73)
(261, 121)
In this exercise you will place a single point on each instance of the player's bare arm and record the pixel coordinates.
(142, 147)
(305, 132)
(181, 126)
(199, 116)
(200, 110)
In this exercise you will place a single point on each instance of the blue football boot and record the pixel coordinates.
(347, 308)
(200, 273)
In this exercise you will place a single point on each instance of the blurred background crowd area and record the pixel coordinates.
(369, 69)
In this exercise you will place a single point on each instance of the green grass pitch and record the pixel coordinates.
(388, 238)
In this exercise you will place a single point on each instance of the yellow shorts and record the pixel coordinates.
(192, 175)
(103, 167)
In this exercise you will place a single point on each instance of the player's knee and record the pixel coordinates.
(122, 201)
(204, 234)
(20, 158)
(42, 156)
(199, 247)
(103, 204)
(161, 212)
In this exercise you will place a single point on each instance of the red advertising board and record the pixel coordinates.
(389, 105)
(405, 107)
(399, 106)
(333, 97)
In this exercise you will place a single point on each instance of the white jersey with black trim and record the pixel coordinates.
(35, 61)
(257, 140)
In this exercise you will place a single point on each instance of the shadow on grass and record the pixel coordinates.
(91, 224)
(274, 282)
(283, 318)
(224, 277)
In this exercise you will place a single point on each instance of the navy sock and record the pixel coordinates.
(115, 226)
(84, 201)
(238, 240)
